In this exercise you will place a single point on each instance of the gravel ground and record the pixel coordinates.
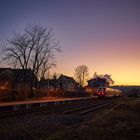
(35, 126)
(121, 123)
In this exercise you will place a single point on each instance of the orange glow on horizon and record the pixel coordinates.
(121, 62)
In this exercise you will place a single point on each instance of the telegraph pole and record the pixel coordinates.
(48, 84)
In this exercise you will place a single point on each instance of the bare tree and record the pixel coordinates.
(81, 74)
(35, 48)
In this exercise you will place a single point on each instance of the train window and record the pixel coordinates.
(102, 90)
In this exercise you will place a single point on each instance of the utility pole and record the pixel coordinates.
(48, 84)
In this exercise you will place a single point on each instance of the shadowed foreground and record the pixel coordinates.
(123, 123)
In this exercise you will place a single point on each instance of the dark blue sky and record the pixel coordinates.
(86, 16)
(102, 34)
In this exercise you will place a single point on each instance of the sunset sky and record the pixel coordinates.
(104, 35)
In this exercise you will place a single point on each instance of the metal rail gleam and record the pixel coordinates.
(90, 108)
(82, 106)
(50, 107)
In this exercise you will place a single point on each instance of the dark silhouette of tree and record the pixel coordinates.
(35, 48)
(81, 74)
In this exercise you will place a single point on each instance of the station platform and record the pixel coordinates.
(38, 103)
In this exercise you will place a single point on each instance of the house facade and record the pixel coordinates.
(94, 84)
(48, 87)
(97, 82)
(67, 84)
(61, 86)
(15, 83)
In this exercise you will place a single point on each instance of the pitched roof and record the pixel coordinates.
(4, 69)
(97, 79)
(16, 73)
(65, 76)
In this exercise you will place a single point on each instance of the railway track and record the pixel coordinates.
(78, 108)
(90, 108)
(45, 109)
